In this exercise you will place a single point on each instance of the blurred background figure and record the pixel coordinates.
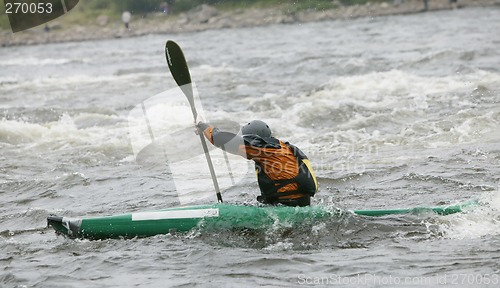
(426, 5)
(126, 18)
(166, 7)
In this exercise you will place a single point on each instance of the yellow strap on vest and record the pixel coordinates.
(308, 164)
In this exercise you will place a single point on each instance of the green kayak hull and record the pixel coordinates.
(215, 216)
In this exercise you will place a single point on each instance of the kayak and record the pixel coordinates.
(217, 217)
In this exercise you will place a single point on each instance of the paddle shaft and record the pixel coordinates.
(209, 161)
(180, 71)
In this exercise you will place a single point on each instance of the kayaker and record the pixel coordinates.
(284, 172)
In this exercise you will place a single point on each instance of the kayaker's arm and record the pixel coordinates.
(227, 141)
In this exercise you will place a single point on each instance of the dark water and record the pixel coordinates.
(393, 111)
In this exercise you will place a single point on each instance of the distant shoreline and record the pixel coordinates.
(209, 18)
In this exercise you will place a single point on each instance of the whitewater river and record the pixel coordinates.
(393, 112)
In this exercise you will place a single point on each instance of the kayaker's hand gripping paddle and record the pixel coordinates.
(180, 71)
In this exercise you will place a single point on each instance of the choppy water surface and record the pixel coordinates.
(393, 111)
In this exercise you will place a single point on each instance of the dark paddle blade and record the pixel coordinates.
(179, 69)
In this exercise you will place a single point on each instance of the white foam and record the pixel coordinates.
(207, 69)
(398, 89)
(75, 80)
(61, 134)
(35, 61)
(8, 80)
(479, 221)
(15, 132)
(279, 246)
(403, 108)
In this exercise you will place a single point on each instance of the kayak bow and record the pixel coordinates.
(215, 216)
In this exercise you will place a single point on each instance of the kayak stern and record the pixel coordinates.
(64, 225)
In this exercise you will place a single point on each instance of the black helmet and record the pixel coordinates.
(256, 127)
